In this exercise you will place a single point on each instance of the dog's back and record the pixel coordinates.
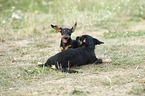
(78, 56)
(75, 57)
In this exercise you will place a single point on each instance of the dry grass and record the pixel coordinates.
(29, 40)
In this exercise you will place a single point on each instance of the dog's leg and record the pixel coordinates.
(106, 60)
(63, 69)
(102, 61)
(69, 71)
(72, 71)
(98, 61)
(61, 48)
(67, 47)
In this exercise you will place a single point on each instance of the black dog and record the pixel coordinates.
(76, 57)
(66, 41)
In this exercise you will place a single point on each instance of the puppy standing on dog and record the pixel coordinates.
(76, 57)
(66, 41)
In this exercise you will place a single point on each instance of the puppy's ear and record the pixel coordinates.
(78, 38)
(97, 42)
(74, 27)
(56, 27)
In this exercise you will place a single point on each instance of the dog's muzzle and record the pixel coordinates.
(65, 40)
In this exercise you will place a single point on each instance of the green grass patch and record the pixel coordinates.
(79, 92)
(119, 34)
(75, 91)
(138, 90)
(135, 19)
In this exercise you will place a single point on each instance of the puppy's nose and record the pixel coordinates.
(65, 37)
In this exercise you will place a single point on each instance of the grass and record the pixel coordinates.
(27, 39)
(117, 34)
(137, 90)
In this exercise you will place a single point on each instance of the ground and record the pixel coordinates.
(27, 39)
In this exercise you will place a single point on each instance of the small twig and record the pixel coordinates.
(68, 65)
(58, 65)
(136, 67)
(43, 68)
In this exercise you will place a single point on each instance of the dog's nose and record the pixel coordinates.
(65, 37)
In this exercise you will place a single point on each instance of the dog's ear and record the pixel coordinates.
(74, 27)
(97, 42)
(56, 27)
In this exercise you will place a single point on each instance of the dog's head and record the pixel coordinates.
(88, 41)
(65, 32)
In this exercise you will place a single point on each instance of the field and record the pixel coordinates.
(27, 39)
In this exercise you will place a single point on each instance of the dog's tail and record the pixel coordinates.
(102, 61)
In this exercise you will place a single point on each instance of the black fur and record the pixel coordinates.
(76, 57)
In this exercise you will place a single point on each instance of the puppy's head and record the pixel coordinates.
(89, 41)
(65, 32)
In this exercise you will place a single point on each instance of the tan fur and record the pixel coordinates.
(61, 48)
(57, 28)
(106, 60)
(67, 47)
